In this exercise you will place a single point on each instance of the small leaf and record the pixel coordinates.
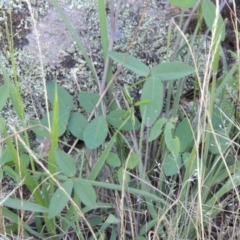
(153, 91)
(190, 164)
(11, 173)
(4, 94)
(2, 125)
(131, 63)
(76, 125)
(88, 101)
(171, 165)
(157, 129)
(218, 118)
(140, 103)
(20, 204)
(112, 219)
(132, 161)
(95, 133)
(140, 238)
(63, 121)
(117, 117)
(183, 3)
(5, 155)
(65, 162)
(184, 134)
(25, 158)
(113, 160)
(209, 14)
(40, 131)
(64, 98)
(127, 94)
(173, 144)
(222, 140)
(95, 220)
(59, 199)
(123, 177)
(85, 192)
(172, 70)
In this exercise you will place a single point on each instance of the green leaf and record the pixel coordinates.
(64, 98)
(11, 173)
(184, 134)
(173, 144)
(14, 218)
(76, 125)
(59, 199)
(112, 219)
(190, 164)
(95, 133)
(95, 220)
(117, 117)
(5, 155)
(85, 192)
(2, 125)
(131, 63)
(101, 161)
(132, 161)
(25, 158)
(147, 226)
(40, 131)
(4, 94)
(172, 70)
(171, 164)
(65, 162)
(183, 3)
(153, 91)
(209, 14)
(20, 204)
(63, 120)
(140, 238)
(127, 94)
(113, 160)
(88, 101)
(157, 129)
(218, 118)
(222, 140)
(123, 177)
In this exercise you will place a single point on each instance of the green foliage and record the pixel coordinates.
(183, 3)
(173, 144)
(172, 164)
(184, 134)
(85, 192)
(4, 94)
(131, 63)
(213, 21)
(171, 71)
(157, 129)
(88, 100)
(116, 119)
(23, 205)
(95, 133)
(60, 198)
(113, 160)
(65, 163)
(132, 161)
(69, 187)
(76, 125)
(152, 91)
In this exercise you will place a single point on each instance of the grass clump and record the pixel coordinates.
(158, 167)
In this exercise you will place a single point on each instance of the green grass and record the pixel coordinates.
(166, 172)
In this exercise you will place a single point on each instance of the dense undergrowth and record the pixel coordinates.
(162, 167)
